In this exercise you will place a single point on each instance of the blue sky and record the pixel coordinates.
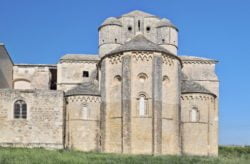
(42, 31)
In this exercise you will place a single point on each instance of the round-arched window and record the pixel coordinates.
(117, 79)
(165, 79)
(142, 105)
(142, 77)
(194, 114)
(20, 109)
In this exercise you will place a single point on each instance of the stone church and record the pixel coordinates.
(137, 96)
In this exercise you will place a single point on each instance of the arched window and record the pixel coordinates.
(20, 109)
(142, 77)
(142, 105)
(194, 114)
(85, 112)
(165, 79)
(117, 79)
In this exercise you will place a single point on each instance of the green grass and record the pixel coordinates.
(34, 156)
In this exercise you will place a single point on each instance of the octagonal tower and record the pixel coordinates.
(117, 31)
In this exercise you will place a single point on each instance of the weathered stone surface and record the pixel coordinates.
(44, 126)
(83, 122)
(103, 107)
(126, 104)
(204, 129)
(27, 76)
(157, 104)
(6, 68)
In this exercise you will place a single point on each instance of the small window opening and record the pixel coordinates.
(142, 77)
(85, 74)
(163, 40)
(129, 28)
(142, 105)
(85, 112)
(165, 79)
(194, 114)
(148, 29)
(118, 78)
(115, 40)
(139, 25)
(53, 81)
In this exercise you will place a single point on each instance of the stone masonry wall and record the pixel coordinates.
(83, 123)
(6, 67)
(199, 136)
(31, 77)
(70, 73)
(44, 124)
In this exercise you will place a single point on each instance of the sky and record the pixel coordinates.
(41, 31)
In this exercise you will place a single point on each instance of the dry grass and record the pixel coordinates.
(36, 156)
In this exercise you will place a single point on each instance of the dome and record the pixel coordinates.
(111, 21)
(138, 13)
(166, 23)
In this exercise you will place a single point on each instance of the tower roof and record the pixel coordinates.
(188, 86)
(77, 57)
(86, 88)
(111, 21)
(138, 13)
(165, 23)
(139, 43)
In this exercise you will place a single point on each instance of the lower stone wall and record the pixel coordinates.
(83, 123)
(33, 145)
(195, 139)
(198, 124)
(43, 126)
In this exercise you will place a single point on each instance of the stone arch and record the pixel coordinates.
(165, 79)
(22, 84)
(142, 77)
(117, 79)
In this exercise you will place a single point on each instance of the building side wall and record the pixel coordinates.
(198, 136)
(44, 124)
(142, 125)
(157, 130)
(170, 106)
(113, 103)
(202, 72)
(83, 123)
(34, 77)
(70, 74)
(6, 68)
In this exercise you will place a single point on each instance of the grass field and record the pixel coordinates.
(34, 156)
